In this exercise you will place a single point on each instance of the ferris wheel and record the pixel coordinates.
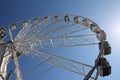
(41, 38)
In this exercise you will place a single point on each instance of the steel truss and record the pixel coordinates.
(59, 31)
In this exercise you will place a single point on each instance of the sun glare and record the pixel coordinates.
(117, 31)
(116, 34)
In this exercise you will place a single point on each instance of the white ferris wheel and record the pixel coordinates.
(39, 37)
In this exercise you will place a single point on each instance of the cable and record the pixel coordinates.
(35, 67)
(38, 77)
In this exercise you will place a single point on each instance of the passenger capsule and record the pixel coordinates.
(103, 67)
(13, 26)
(56, 18)
(101, 35)
(76, 20)
(25, 23)
(2, 33)
(85, 22)
(94, 28)
(36, 20)
(2, 30)
(46, 19)
(66, 18)
(106, 50)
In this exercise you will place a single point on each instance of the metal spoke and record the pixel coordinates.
(60, 62)
(33, 36)
(66, 41)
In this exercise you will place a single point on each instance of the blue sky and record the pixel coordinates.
(105, 13)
